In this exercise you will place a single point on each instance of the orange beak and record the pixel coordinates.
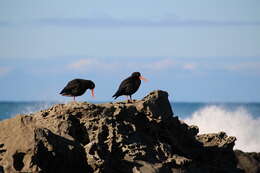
(143, 78)
(92, 93)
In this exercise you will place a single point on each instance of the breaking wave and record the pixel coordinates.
(239, 123)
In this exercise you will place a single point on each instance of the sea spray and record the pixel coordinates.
(35, 107)
(238, 122)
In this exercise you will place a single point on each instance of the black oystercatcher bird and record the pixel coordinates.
(130, 85)
(77, 87)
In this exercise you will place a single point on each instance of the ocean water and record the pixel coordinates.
(241, 120)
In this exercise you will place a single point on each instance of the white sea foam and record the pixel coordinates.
(34, 108)
(239, 123)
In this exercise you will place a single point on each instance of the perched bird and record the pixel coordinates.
(130, 85)
(77, 87)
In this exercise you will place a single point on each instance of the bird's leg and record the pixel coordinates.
(131, 98)
(128, 100)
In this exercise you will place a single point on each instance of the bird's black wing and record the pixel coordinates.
(124, 87)
(72, 87)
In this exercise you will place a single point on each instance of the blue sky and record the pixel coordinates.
(196, 50)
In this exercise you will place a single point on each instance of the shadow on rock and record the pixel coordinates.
(56, 154)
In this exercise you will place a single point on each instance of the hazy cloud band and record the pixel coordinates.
(112, 22)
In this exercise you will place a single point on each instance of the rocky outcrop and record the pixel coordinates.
(249, 162)
(139, 137)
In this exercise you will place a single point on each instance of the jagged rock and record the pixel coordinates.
(250, 162)
(142, 136)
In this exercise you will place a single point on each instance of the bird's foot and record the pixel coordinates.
(128, 101)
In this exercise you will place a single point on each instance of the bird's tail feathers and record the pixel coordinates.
(115, 96)
(64, 92)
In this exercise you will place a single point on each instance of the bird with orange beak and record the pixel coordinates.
(130, 85)
(78, 87)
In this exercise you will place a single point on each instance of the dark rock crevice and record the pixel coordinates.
(52, 151)
(18, 161)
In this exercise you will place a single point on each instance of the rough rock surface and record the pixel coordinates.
(122, 137)
(250, 162)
